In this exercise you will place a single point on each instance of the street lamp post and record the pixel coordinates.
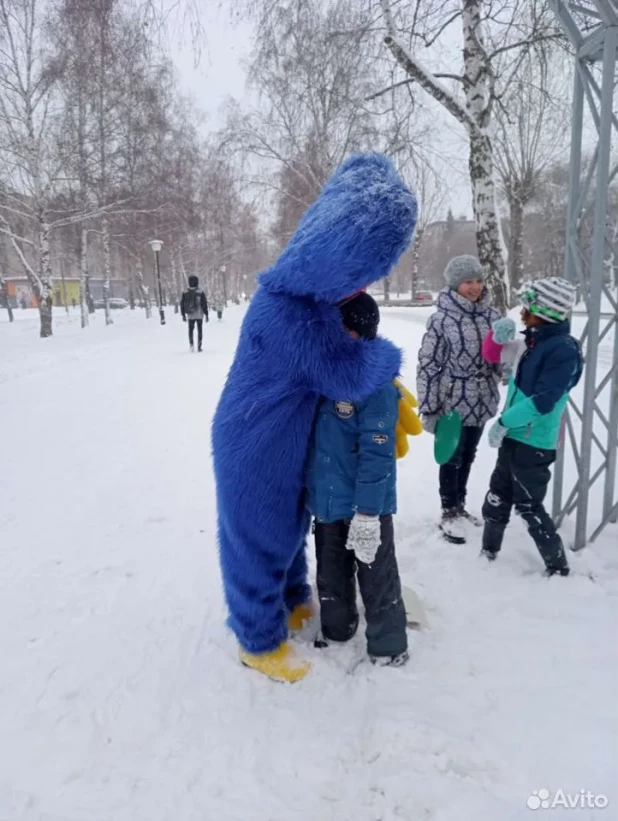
(156, 246)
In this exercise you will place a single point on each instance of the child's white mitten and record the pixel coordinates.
(364, 537)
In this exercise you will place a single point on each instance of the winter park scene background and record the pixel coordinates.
(209, 128)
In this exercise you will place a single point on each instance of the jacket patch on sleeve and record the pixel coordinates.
(380, 438)
(345, 410)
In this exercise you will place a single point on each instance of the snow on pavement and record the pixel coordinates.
(121, 697)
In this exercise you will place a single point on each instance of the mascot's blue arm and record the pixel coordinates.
(344, 368)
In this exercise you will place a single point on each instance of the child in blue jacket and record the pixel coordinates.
(528, 429)
(351, 493)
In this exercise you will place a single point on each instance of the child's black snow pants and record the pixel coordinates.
(520, 479)
(379, 584)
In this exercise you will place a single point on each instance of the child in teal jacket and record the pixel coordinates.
(528, 429)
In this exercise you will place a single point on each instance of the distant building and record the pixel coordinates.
(65, 291)
(443, 240)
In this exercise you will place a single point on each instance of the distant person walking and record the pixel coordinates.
(194, 308)
(217, 306)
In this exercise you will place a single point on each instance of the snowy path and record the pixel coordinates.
(121, 698)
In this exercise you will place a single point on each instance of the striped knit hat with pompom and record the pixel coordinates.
(551, 299)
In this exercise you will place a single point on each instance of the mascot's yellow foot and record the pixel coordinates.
(299, 616)
(280, 664)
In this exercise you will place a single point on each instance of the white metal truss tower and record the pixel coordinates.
(588, 455)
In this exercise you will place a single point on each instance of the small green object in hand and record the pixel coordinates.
(448, 433)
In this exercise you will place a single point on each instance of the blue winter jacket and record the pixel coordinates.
(352, 457)
(538, 393)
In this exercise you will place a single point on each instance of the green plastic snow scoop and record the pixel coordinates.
(448, 432)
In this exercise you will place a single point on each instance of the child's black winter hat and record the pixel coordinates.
(360, 313)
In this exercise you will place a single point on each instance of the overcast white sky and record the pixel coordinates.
(220, 74)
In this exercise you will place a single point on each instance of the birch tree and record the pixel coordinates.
(4, 288)
(489, 30)
(70, 32)
(106, 27)
(29, 122)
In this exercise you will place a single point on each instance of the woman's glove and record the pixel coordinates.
(430, 420)
(504, 330)
(364, 537)
(496, 434)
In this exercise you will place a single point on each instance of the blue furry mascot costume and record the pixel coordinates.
(292, 350)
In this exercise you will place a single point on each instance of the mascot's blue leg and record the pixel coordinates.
(297, 588)
(257, 553)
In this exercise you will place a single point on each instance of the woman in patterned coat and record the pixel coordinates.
(452, 375)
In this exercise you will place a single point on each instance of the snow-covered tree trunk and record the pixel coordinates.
(45, 292)
(477, 80)
(107, 270)
(144, 289)
(83, 276)
(516, 242)
(65, 300)
(4, 290)
(184, 283)
(416, 257)
(386, 284)
(488, 241)
(176, 293)
(33, 278)
(475, 115)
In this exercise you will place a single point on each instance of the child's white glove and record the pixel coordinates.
(364, 537)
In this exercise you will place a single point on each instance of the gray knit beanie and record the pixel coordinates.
(461, 269)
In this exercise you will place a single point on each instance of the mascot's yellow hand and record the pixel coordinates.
(408, 423)
(408, 419)
(410, 398)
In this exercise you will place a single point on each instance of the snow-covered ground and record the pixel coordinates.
(121, 697)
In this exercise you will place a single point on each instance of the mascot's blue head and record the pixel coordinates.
(351, 236)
